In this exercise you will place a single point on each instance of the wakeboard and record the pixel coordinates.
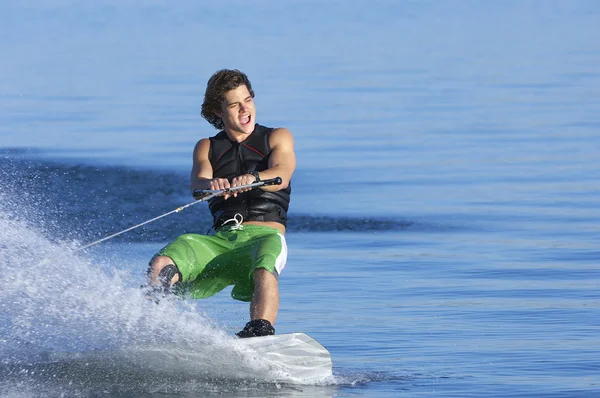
(297, 354)
(289, 358)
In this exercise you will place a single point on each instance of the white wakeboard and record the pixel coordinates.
(292, 358)
(296, 354)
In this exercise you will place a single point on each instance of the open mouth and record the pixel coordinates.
(245, 120)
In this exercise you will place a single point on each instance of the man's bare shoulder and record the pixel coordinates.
(203, 143)
(280, 135)
(280, 131)
(202, 148)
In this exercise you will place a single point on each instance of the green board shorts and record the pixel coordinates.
(210, 263)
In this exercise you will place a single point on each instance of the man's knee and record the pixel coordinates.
(163, 271)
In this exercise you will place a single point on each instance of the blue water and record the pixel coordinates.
(444, 226)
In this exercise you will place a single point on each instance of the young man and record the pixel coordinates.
(248, 249)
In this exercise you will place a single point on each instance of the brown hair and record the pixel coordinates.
(219, 83)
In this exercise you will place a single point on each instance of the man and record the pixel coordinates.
(248, 249)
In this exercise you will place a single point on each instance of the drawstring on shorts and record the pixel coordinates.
(238, 223)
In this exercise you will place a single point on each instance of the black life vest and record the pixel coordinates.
(230, 159)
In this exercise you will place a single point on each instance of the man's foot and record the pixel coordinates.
(257, 328)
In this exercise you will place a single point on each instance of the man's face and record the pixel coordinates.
(237, 111)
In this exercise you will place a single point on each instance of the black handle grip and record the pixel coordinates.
(199, 193)
(272, 181)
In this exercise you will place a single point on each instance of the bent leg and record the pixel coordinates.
(268, 252)
(183, 260)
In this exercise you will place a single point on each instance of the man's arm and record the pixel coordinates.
(282, 162)
(202, 172)
(201, 168)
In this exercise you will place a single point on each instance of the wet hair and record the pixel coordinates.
(219, 83)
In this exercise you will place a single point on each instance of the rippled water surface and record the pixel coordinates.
(444, 224)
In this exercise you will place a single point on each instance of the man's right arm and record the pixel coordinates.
(202, 171)
(201, 168)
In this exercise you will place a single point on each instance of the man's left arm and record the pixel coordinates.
(282, 162)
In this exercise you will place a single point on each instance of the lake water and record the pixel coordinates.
(445, 221)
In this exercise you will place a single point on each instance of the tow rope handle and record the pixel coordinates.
(204, 195)
(200, 193)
